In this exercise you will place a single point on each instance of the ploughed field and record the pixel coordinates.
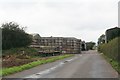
(10, 61)
(16, 56)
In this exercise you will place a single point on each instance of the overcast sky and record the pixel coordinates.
(83, 19)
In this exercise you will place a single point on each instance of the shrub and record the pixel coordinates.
(111, 49)
(111, 52)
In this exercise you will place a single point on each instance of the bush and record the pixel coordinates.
(18, 52)
(111, 52)
(111, 49)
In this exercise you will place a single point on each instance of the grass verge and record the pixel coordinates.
(113, 63)
(16, 69)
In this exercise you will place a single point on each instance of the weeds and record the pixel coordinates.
(15, 69)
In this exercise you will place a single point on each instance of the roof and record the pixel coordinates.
(59, 37)
(36, 36)
(113, 28)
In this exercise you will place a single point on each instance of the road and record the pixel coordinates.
(89, 64)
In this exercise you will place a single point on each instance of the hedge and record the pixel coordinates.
(111, 49)
(111, 52)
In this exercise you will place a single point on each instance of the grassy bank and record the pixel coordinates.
(111, 52)
(113, 63)
(111, 49)
(16, 69)
(23, 55)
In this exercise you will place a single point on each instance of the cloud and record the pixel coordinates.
(76, 18)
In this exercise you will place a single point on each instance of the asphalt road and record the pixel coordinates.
(89, 64)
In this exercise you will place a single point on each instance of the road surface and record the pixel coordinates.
(89, 64)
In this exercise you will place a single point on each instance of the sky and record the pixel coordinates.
(83, 19)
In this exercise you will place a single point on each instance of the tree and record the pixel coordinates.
(14, 36)
(101, 39)
(90, 45)
(112, 33)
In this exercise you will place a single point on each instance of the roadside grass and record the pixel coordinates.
(7, 71)
(113, 63)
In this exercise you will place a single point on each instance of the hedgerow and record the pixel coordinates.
(111, 51)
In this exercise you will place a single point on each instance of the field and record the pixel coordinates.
(11, 70)
(13, 61)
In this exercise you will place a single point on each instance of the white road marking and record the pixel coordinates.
(72, 59)
(41, 73)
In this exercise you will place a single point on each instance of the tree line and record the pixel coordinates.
(14, 36)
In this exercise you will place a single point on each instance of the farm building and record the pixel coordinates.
(59, 44)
